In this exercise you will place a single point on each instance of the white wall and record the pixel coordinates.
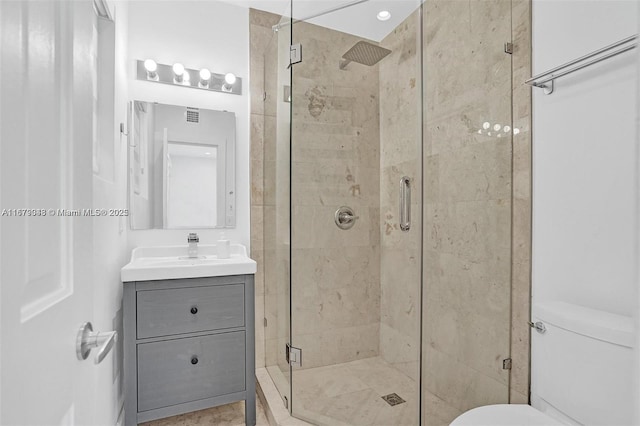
(584, 158)
(585, 165)
(110, 242)
(198, 34)
(636, 231)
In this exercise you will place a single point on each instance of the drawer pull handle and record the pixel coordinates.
(194, 310)
(194, 360)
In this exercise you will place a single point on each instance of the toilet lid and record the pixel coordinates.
(504, 415)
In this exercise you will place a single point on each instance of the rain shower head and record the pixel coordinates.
(364, 53)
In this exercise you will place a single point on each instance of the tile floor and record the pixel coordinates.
(225, 415)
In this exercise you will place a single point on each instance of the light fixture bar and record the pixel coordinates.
(191, 78)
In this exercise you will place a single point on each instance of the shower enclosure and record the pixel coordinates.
(387, 210)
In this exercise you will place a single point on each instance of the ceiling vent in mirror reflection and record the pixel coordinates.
(179, 75)
(193, 115)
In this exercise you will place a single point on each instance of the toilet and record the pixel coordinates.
(580, 367)
(505, 415)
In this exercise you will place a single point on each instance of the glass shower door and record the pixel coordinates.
(468, 157)
(356, 249)
(277, 181)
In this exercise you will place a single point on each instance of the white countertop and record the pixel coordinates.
(171, 262)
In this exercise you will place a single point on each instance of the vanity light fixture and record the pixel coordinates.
(384, 15)
(152, 69)
(205, 76)
(178, 75)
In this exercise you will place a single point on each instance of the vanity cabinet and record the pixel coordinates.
(188, 345)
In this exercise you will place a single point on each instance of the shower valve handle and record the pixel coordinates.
(345, 217)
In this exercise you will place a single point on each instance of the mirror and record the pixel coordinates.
(181, 167)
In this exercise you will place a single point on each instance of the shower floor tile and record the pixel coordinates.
(351, 394)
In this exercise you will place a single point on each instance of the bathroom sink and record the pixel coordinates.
(172, 262)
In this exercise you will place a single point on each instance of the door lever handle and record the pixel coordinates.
(88, 339)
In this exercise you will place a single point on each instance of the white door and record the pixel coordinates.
(47, 78)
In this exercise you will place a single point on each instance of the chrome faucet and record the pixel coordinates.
(193, 241)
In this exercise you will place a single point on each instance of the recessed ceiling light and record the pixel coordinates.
(384, 15)
(207, 153)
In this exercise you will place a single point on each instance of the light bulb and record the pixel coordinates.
(486, 125)
(178, 69)
(516, 131)
(230, 78)
(384, 15)
(507, 129)
(205, 74)
(178, 72)
(151, 67)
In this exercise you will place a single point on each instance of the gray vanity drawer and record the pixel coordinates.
(190, 309)
(167, 374)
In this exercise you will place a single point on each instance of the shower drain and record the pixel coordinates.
(393, 399)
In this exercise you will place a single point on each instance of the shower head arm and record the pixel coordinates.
(344, 63)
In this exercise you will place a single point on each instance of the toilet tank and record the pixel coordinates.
(581, 366)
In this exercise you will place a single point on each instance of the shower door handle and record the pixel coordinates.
(405, 204)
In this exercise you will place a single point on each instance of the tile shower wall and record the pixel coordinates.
(400, 152)
(335, 273)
